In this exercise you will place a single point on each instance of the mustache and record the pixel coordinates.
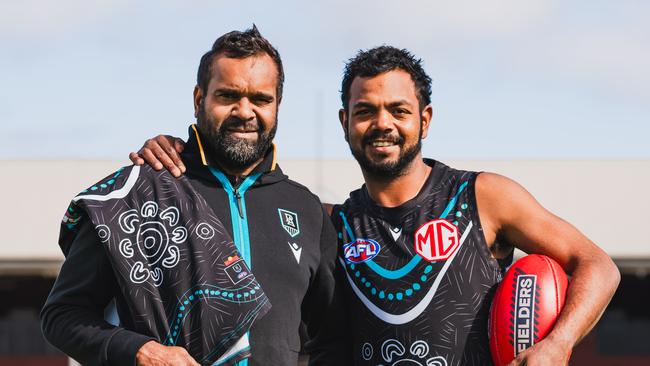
(236, 123)
(379, 135)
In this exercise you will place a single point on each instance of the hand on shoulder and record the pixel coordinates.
(161, 151)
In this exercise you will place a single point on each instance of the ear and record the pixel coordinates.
(426, 116)
(198, 96)
(343, 118)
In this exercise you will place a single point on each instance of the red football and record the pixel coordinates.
(525, 306)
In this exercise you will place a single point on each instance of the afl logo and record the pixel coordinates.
(436, 240)
(361, 250)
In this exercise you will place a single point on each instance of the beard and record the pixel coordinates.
(230, 151)
(386, 169)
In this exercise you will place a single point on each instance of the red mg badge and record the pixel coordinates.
(436, 240)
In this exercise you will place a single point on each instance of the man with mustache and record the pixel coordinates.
(278, 227)
(423, 245)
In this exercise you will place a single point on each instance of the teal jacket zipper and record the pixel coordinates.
(237, 204)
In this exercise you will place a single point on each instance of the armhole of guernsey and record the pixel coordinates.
(482, 242)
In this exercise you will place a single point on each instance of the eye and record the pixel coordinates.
(401, 111)
(228, 95)
(261, 100)
(362, 112)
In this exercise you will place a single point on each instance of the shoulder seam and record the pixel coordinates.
(304, 188)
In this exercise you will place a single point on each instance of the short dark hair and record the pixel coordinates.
(382, 59)
(238, 44)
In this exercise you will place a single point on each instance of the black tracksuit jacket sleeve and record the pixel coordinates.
(73, 316)
(323, 307)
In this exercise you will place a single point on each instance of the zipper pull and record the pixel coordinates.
(239, 207)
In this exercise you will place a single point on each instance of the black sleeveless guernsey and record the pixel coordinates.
(420, 276)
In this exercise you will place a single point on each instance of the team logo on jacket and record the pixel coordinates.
(361, 250)
(289, 221)
(436, 240)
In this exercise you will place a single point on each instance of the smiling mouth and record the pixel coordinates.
(382, 143)
(234, 130)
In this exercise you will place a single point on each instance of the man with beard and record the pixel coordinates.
(278, 227)
(443, 236)
(424, 245)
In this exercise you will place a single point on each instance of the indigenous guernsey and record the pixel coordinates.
(183, 281)
(420, 275)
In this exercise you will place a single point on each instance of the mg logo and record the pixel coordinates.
(436, 240)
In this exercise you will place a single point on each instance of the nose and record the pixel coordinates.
(384, 120)
(243, 110)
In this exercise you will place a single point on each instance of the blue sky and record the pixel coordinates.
(512, 79)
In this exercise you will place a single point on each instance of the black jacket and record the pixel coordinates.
(281, 231)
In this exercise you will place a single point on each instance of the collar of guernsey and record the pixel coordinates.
(236, 193)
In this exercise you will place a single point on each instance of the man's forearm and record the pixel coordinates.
(73, 316)
(593, 283)
(87, 338)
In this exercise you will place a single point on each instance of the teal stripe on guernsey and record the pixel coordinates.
(239, 222)
(408, 267)
(453, 201)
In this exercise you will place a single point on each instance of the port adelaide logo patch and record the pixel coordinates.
(361, 250)
(289, 221)
(525, 312)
